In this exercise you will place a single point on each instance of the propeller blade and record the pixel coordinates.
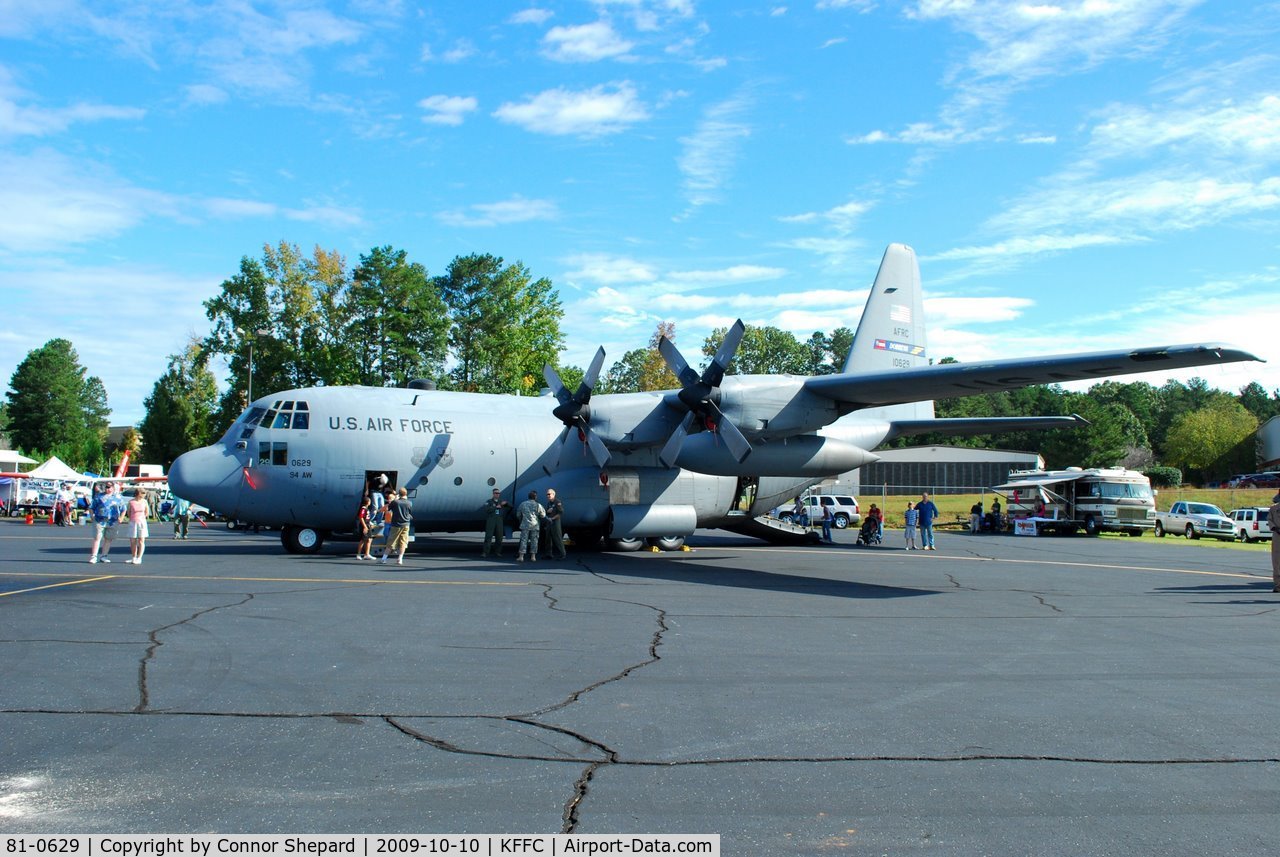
(739, 447)
(589, 380)
(598, 450)
(724, 354)
(557, 386)
(671, 450)
(675, 361)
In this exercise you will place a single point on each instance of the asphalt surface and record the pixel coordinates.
(1000, 696)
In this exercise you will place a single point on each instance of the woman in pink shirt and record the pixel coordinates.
(138, 525)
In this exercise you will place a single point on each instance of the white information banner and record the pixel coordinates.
(359, 844)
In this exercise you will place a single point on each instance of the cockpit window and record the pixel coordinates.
(286, 414)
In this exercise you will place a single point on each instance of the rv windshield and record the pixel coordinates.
(1127, 490)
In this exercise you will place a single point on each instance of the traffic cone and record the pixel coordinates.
(31, 518)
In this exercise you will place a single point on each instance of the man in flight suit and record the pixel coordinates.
(494, 513)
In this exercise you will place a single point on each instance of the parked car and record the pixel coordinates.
(1195, 520)
(1270, 479)
(1251, 523)
(844, 509)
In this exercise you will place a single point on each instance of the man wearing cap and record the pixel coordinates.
(1273, 518)
(494, 515)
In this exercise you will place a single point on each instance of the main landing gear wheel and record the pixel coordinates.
(304, 540)
(666, 543)
(625, 545)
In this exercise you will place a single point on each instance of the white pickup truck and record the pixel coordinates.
(1195, 520)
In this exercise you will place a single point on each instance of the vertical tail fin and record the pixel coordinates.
(891, 333)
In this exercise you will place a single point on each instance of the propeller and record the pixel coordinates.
(701, 395)
(574, 409)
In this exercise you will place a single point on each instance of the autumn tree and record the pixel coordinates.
(642, 369)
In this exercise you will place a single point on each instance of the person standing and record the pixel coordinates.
(530, 514)
(928, 513)
(138, 532)
(911, 518)
(975, 518)
(552, 527)
(181, 517)
(828, 518)
(107, 509)
(1273, 518)
(494, 514)
(401, 516)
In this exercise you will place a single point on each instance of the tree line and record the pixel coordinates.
(488, 327)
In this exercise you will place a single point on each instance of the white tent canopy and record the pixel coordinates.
(57, 469)
(9, 460)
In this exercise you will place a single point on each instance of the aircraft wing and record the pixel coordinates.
(892, 387)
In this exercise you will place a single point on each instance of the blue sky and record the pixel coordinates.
(1074, 176)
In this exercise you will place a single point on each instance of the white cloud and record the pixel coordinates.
(514, 210)
(607, 269)
(532, 16)
(1249, 129)
(48, 201)
(206, 93)
(447, 109)
(843, 218)
(604, 109)
(18, 120)
(711, 153)
(584, 43)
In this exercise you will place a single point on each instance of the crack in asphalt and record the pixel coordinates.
(144, 693)
(600, 754)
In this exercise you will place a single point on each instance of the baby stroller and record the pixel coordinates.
(869, 534)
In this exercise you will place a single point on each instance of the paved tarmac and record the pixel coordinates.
(1002, 696)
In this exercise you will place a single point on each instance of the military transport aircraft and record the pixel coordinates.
(630, 467)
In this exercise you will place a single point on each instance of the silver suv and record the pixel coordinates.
(844, 510)
(1250, 523)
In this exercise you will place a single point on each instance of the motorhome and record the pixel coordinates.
(1095, 500)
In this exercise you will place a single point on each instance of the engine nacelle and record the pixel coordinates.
(805, 455)
(637, 522)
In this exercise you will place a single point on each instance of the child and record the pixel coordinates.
(909, 530)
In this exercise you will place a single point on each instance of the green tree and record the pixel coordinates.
(763, 351)
(397, 323)
(1254, 398)
(52, 404)
(181, 407)
(1201, 439)
(503, 325)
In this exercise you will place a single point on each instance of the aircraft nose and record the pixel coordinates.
(208, 476)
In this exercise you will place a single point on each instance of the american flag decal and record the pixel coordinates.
(898, 312)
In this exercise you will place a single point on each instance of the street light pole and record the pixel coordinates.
(250, 338)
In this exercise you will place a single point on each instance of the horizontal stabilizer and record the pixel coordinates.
(873, 389)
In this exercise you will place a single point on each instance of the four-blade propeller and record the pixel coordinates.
(574, 410)
(701, 395)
